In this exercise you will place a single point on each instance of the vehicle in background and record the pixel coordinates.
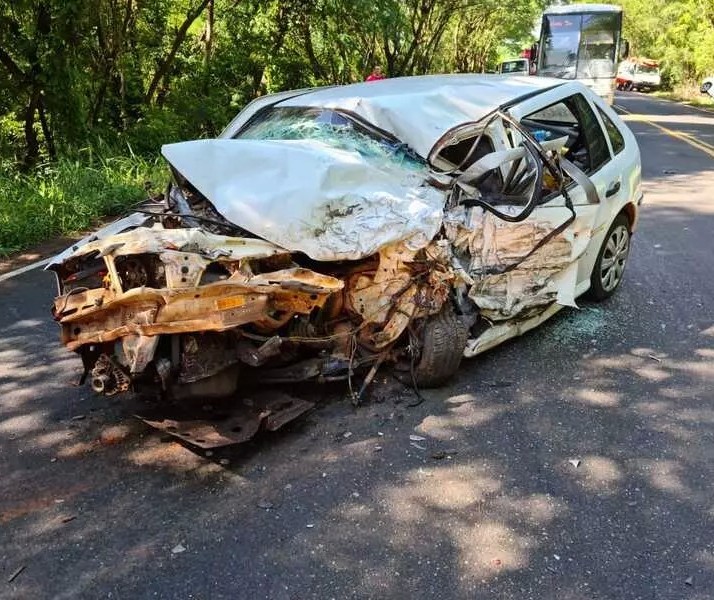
(708, 87)
(583, 42)
(638, 74)
(515, 66)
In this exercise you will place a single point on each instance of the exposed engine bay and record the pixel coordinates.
(186, 297)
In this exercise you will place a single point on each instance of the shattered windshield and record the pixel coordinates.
(331, 127)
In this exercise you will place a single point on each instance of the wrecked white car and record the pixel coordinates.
(326, 232)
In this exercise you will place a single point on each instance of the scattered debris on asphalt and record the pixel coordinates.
(265, 505)
(15, 573)
(227, 422)
(178, 549)
(653, 357)
(416, 438)
(498, 384)
(689, 581)
(575, 462)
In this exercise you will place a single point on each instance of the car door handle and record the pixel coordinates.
(613, 189)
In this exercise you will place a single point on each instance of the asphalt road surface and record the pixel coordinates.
(574, 463)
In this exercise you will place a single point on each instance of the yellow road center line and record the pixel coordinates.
(685, 137)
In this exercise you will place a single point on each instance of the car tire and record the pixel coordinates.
(611, 260)
(706, 87)
(443, 340)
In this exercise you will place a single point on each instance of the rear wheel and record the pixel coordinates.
(611, 260)
(706, 88)
(443, 341)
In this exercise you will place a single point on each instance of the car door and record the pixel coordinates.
(589, 148)
(525, 240)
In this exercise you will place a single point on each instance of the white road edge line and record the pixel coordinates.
(25, 269)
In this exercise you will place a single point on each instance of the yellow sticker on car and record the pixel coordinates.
(230, 302)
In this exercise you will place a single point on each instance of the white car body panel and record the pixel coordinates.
(707, 86)
(306, 196)
(333, 205)
(625, 168)
(417, 110)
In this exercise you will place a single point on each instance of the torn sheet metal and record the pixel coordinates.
(181, 305)
(488, 245)
(331, 204)
(157, 239)
(228, 423)
(94, 316)
(126, 223)
(505, 330)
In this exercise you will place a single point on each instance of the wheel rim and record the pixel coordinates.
(612, 264)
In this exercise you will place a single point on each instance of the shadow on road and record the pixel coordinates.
(575, 462)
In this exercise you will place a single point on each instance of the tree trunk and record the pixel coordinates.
(32, 145)
(208, 35)
(165, 64)
(310, 49)
(46, 131)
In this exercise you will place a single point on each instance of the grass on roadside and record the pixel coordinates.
(687, 94)
(68, 196)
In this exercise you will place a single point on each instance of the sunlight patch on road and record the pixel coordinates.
(684, 137)
(23, 423)
(666, 476)
(598, 474)
(599, 398)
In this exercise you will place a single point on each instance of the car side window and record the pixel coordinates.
(616, 139)
(572, 117)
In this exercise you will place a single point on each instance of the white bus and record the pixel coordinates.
(584, 42)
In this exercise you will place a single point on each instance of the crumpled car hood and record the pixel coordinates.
(306, 196)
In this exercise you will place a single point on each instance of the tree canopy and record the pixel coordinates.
(78, 73)
(147, 71)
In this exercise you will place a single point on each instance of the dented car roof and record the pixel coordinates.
(336, 196)
(416, 110)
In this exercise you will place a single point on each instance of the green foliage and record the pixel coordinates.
(152, 71)
(678, 33)
(80, 79)
(69, 196)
